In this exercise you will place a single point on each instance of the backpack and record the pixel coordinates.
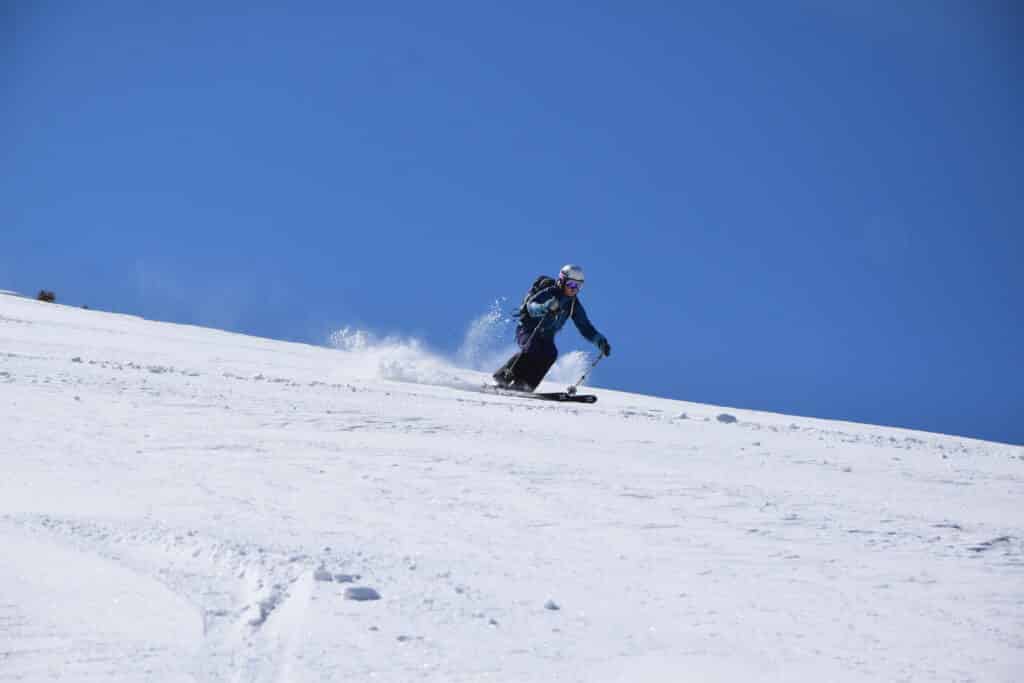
(542, 282)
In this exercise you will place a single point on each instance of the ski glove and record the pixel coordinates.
(602, 343)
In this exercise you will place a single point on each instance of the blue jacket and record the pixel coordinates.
(568, 306)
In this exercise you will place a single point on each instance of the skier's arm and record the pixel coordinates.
(583, 324)
(541, 304)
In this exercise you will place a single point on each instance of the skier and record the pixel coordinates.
(546, 307)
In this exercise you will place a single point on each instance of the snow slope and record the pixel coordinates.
(185, 504)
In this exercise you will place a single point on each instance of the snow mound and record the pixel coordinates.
(214, 504)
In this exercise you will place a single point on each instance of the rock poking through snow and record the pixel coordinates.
(361, 593)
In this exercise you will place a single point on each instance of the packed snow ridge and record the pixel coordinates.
(185, 504)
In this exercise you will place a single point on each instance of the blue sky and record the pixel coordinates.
(809, 207)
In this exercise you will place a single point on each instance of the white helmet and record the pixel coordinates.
(571, 272)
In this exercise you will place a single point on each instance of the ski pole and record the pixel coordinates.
(572, 389)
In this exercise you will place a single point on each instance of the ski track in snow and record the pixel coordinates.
(183, 504)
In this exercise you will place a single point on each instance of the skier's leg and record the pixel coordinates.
(508, 374)
(502, 375)
(536, 362)
(526, 364)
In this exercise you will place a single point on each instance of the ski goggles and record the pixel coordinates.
(574, 285)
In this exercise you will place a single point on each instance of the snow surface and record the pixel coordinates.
(185, 504)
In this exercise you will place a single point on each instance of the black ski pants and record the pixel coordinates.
(533, 361)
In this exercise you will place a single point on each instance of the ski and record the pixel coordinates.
(558, 396)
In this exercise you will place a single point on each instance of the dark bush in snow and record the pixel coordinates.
(46, 295)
